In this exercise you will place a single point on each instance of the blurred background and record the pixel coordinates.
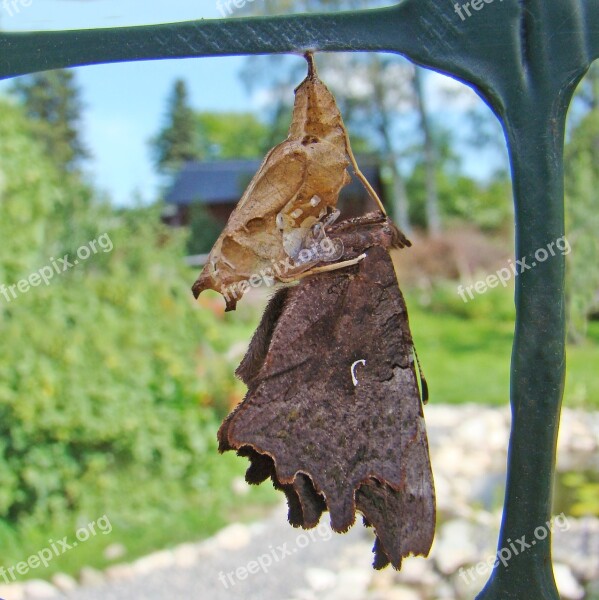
(114, 380)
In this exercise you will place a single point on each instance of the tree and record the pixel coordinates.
(230, 135)
(52, 100)
(433, 219)
(176, 143)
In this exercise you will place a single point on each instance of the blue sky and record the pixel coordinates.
(125, 103)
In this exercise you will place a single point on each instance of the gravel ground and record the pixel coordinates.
(272, 561)
(300, 563)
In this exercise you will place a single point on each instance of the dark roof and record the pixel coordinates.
(223, 182)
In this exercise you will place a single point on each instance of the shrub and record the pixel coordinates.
(101, 406)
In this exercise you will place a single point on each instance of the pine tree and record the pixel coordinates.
(176, 144)
(52, 100)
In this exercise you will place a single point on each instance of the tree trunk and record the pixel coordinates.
(433, 219)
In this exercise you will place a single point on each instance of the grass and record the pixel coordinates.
(467, 360)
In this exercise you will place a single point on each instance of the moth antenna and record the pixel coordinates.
(423, 384)
(309, 56)
(325, 269)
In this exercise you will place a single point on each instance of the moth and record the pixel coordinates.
(282, 215)
(333, 413)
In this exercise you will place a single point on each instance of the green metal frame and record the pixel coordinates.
(525, 59)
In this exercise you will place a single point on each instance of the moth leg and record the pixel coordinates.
(360, 175)
(325, 269)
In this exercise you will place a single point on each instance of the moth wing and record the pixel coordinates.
(252, 362)
(334, 398)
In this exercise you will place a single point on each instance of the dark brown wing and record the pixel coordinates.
(325, 440)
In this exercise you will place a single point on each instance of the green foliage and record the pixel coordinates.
(582, 182)
(487, 205)
(230, 135)
(52, 100)
(443, 298)
(466, 357)
(189, 135)
(204, 230)
(578, 493)
(110, 374)
(176, 143)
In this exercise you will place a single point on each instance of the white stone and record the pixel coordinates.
(442, 416)
(576, 432)
(413, 569)
(567, 584)
(449, 460)
(115, 551)
(208, 547)
(460, 486)
(455, 546)
(37, 589)
(357, 554)
(352, 584)
(240, 487)
(12, 592)
(90, 577)
(474, 432)
(384, 579)
(443, 493)
(445, 592)
(401, 592)
(583, 443)
(257, 528)
(119, 572)
(468, 582)
(320, 580)
(155, 562)
(186, 555)
(416, 570)
(63, 582)
(233, 537)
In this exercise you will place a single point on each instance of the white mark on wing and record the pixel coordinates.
(353, 371)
